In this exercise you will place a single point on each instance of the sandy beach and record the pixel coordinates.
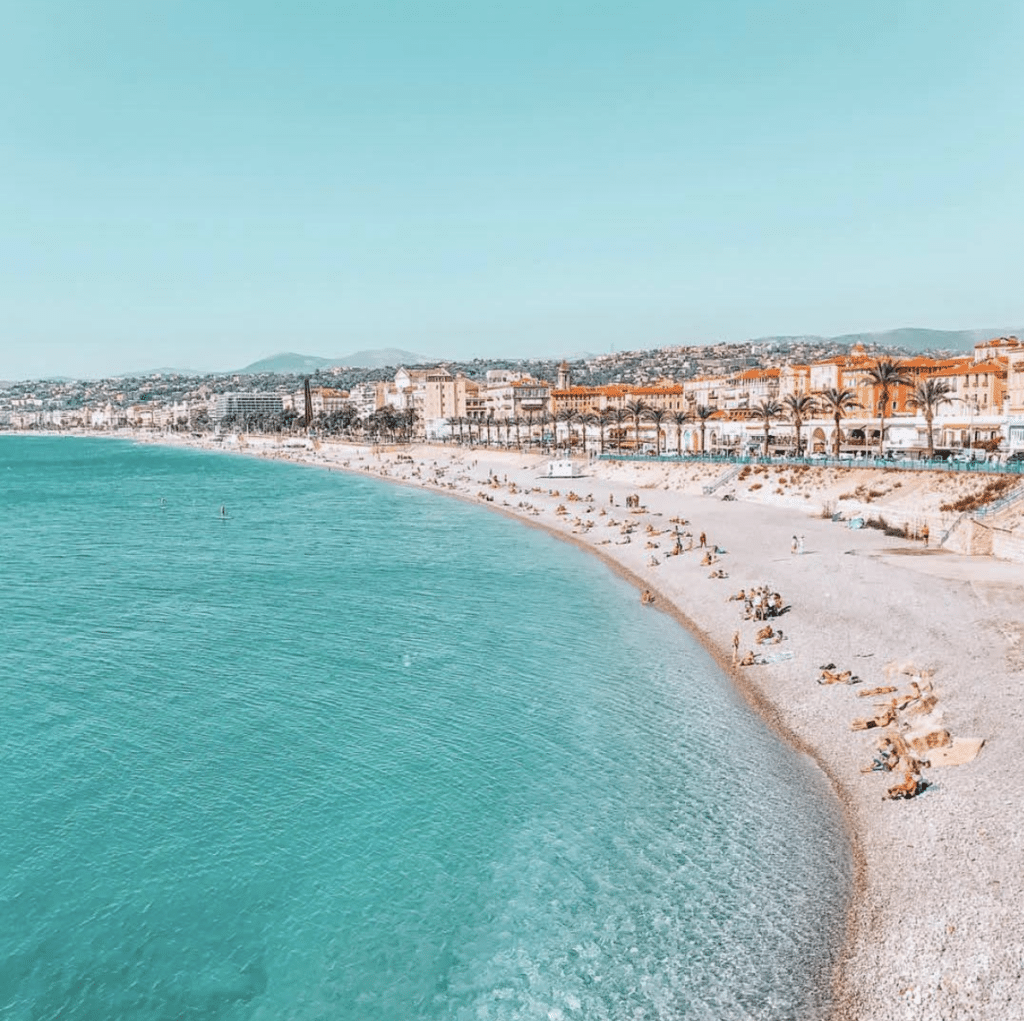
(934, 929)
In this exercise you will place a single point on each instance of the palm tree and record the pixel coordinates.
(490, 420)
(887, 375)
(704, 412)
(679, 419)
(517, 421)
(837, 401)
(543, 420)
(636, 410)
(766, 410)
(619, 415)
(568, 416)
(591, 418)
(604, 419)
(799, 407)
(928, 395)
(657, 416)
(529, 426)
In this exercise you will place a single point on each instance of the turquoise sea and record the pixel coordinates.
(363, 752)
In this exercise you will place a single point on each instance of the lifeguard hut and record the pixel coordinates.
(563, 468)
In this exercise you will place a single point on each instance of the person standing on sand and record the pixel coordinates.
(735, 647)
(795, 546)
(703, 540)
(924, 534)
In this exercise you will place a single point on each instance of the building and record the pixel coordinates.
(242, 404)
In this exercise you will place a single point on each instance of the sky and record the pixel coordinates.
(199, 184)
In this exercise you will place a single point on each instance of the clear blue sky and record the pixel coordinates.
(199, 184)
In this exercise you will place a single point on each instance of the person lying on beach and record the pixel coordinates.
(718, 574)
(646, 597)
(740, 596)
(910, 788)
(750, 659)
(830, 677)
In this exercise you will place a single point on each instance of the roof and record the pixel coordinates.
(659, 391)
(982, 368)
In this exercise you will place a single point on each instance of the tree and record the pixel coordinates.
(543, 420)
(799, 407)
(766, 410)
(928, 395)
(704, 412)
(887, 375)
(568, 416)
(589, 418)
(657, 416)
(837, 401)
(407, 420)
(636, 410)
(619, 415)
(604, 419)
(679, 419)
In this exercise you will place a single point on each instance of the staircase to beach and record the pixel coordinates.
(1014, 496)
(992, 530)
(727, 477)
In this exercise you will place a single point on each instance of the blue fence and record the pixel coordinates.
(908, 464)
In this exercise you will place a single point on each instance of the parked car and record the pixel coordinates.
(1016, 457)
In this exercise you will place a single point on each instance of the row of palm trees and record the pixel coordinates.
(611, 424)
(929, 394)
(836, 402)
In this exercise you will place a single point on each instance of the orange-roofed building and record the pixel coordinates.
(794, 381)
(977, 385)
(667, 398)
(530, 397)
(996, 349)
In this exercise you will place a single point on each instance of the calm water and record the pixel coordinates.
(360, 752)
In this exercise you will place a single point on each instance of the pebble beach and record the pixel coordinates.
(933, 637)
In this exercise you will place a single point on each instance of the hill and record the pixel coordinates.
(298, 363)
(909, 338)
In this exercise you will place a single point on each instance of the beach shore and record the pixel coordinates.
(934, 930)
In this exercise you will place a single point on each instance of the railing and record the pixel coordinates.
(908, 464)
(1012, 497)
(727, 477)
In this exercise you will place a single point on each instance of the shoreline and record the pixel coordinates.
(923, 938)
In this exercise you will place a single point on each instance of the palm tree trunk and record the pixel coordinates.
(836, 438)
(931, 440)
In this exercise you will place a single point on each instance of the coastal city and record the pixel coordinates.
(512, 511)
(723, 400)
